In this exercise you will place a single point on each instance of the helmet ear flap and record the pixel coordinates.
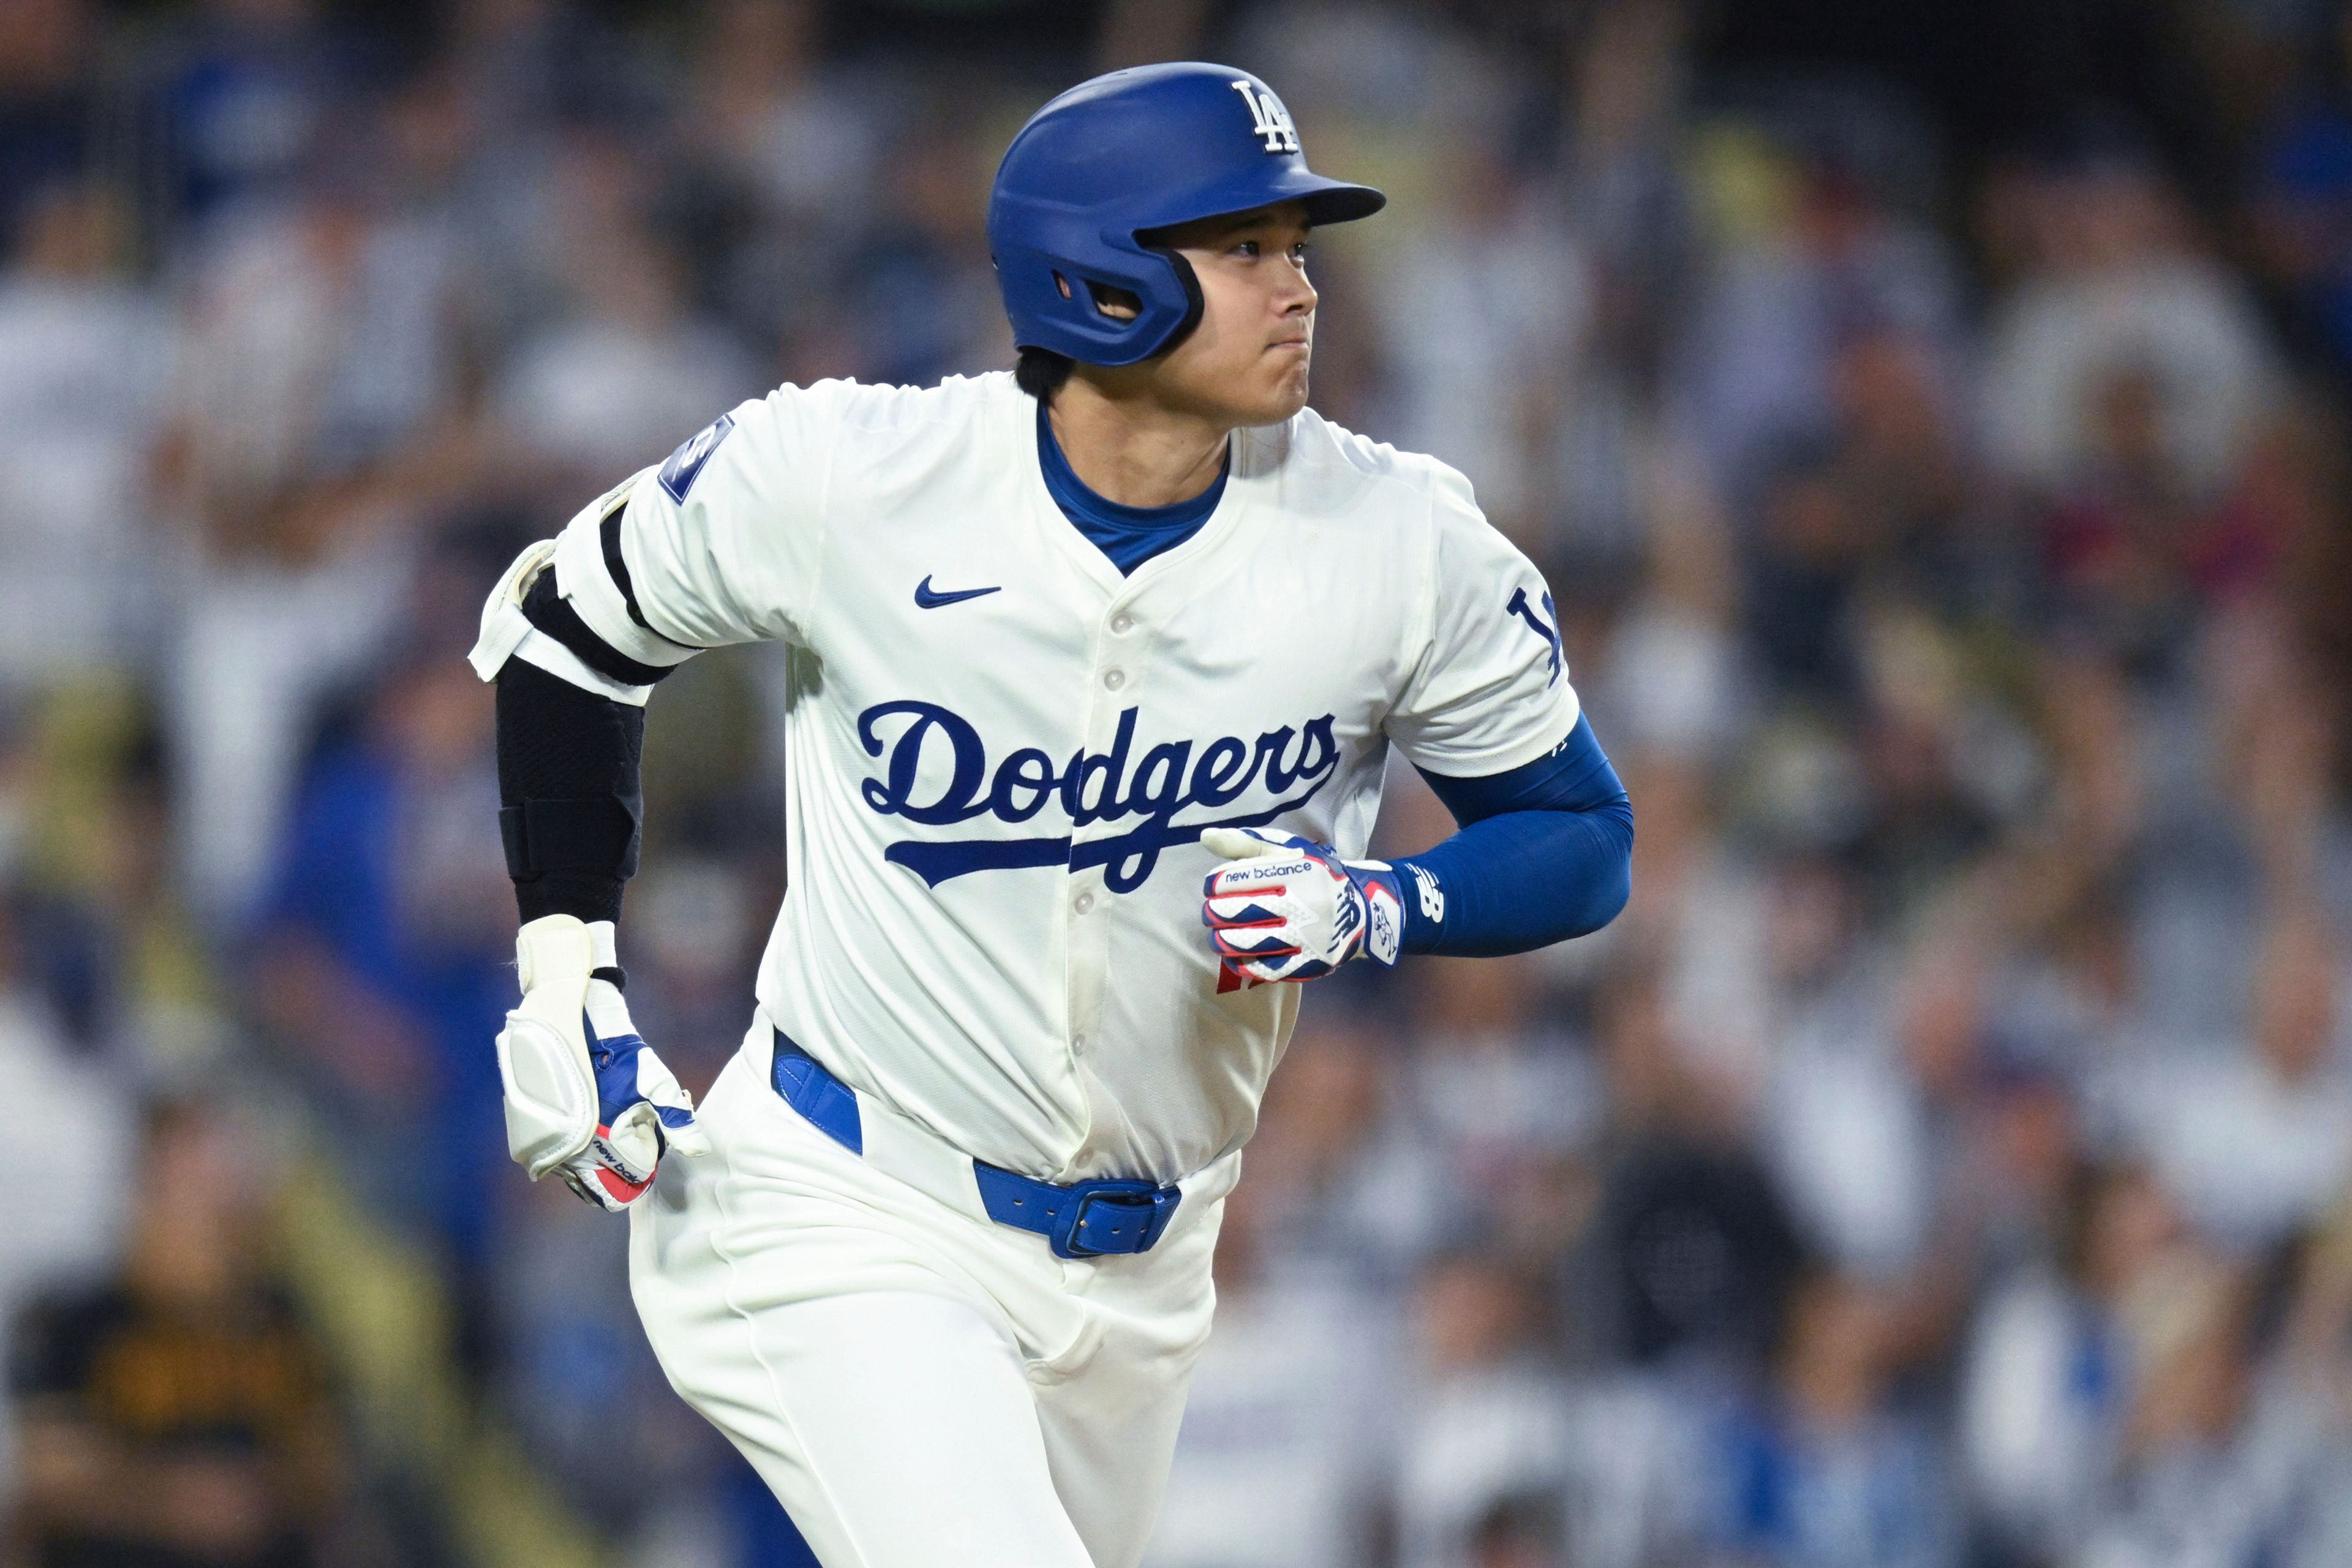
(1194, 303)
(1055, 294)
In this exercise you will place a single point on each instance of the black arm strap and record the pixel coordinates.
(553, 614)
(569, 800)
(544, 608)
(608, 533)
(543, 836)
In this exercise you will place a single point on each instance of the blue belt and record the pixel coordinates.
(1085, 1219)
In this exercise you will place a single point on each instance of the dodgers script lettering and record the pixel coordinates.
(1291, 764)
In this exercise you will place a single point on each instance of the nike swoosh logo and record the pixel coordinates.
(928, 598)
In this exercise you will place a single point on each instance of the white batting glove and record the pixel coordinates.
(587, 1098)
(1287, 907)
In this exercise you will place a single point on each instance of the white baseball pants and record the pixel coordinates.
(920, 1387)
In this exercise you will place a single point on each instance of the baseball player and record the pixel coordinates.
(1094, 667)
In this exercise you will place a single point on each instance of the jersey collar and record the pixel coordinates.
(1016, 425)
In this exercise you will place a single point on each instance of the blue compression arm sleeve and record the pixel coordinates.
(1545, 852)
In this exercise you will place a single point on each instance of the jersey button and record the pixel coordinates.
(1079, 1044)
(1084, 903)
(1114, 679)
(1122, 623)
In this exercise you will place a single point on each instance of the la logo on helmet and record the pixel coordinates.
(1268, 117)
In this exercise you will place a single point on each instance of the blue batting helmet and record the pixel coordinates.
(1123, 154)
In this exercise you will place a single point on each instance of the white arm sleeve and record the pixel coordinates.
(1488, 689)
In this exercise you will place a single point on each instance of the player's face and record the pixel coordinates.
(1247, 360)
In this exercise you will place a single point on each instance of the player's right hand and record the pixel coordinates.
(586, 1099)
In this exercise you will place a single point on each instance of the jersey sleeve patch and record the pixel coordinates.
(685, 465)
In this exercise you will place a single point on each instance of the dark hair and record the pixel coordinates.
(1040, 372)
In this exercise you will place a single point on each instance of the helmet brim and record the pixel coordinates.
(1339, 202)
(1327, 201)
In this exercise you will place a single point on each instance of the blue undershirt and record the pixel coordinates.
(1545, 853)
(1130, 535)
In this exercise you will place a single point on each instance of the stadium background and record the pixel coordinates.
(1932, 420)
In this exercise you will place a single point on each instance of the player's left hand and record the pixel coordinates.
(1287, 907)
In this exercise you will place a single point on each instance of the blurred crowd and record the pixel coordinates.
(1945, 1162)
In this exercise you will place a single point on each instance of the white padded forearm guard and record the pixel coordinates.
(550, 1089)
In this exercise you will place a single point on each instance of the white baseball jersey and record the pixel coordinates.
(1000, 752)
